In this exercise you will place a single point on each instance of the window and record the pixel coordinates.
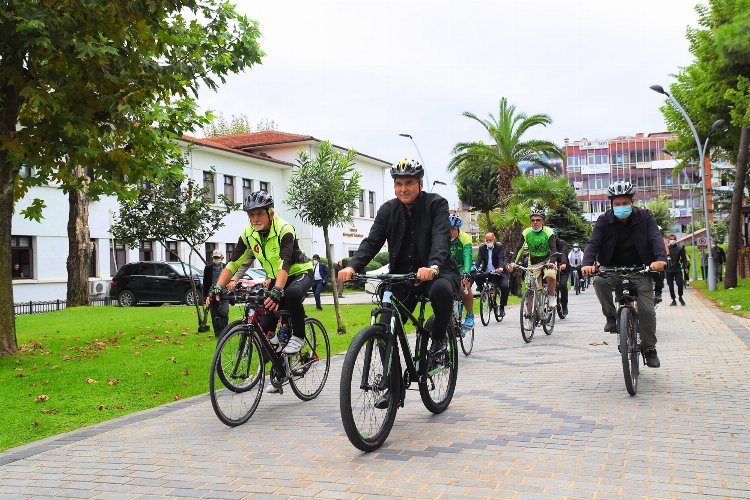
(21, 255)
(117, 256)
(25, 171)
(230, 249)
(172, 253)
(264, 186)
(145, 251)
(372, 204)
(210, 247)
(208, 182)
(361, 202)
(247, 188)
(92, 259)
(584, 206)
(229, 187)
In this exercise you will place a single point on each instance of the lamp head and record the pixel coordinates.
(717, 125)
(659, 89)
(405, 135)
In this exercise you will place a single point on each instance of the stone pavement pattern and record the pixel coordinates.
(541, 420)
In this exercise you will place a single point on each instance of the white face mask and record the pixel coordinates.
(576, 249)
(672, 243)
(490, 244)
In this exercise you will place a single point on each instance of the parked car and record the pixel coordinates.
(252, 277)
(155, 282)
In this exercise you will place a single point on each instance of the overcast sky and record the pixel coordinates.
(360, 72)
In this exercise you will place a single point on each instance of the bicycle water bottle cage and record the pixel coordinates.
(627, 291)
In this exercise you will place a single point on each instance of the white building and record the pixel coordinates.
(243, 163)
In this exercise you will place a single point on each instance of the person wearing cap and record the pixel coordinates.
(273, 242)
(626, 235)
(416, 226)
(219, 308)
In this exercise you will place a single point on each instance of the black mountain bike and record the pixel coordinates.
(628, 328)
(239, 366)
(488, 300)
(373, 386)
(535, 309)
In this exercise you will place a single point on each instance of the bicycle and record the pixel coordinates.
(488, 300)
(577, 282)
(371, 376)
(238, 368)
(628, 328)
(464, 336)
(535, 306)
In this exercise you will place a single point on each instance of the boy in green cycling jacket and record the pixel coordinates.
(541, 244)
(462, 254)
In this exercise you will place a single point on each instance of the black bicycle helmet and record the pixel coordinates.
(258, 199)
(454, 220)
(407, 168)
(620, 188)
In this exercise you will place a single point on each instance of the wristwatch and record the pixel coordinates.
(435, 268)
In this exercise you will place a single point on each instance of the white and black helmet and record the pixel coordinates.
(538, 211)
(620, 188)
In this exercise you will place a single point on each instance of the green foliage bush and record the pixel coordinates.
(381, 258)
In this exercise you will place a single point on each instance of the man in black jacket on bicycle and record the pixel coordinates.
(491, 259)
(415, 225)
(627, 236)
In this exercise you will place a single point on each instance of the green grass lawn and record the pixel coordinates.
(725, 299)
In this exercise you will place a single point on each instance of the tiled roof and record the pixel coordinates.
(259, 138)
(213, 143)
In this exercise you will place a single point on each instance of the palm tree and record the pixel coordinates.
(539, 190)
(508, 149)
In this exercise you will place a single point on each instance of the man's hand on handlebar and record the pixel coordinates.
(511, 266)
(659, 265)
(563, 267)
(346, 274)
(588, 270)
(426, 274)
(500, 269)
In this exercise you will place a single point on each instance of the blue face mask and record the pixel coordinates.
(537, 230)
(623, 212)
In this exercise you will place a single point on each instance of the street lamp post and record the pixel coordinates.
(694, 273)
(426, 177)
(701, 155)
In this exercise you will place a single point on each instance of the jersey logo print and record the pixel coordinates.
(256, 248)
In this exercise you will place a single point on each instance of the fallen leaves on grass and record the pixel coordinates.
(50, 411)
(42, 398)
(101, 407)
(598, 343)
(154, 395)
(21, 375)
(90, 381)
(172, 359)
(177, 397)
(147, 374)
(186, 372)
(112, 381)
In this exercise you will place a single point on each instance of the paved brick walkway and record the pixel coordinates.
(547, 419)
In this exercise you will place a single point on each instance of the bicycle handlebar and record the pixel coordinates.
(387, 277)
(639, 269)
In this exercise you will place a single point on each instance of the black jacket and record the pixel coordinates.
(431, 230)
(208, 278)
(646, 236)
(562, 247)
(677, 259)
(498, 257)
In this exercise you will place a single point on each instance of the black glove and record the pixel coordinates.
(217, 290)
(276, 294)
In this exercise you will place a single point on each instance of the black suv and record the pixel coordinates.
(155, 282)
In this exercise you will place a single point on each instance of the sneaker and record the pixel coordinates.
(657, 298)
(294, 345)
(469, 322)
(552, 301)
(682, 301)
(438, 345)
(565, 310)
(611, 325)
(382, 402)
(673, 303)
(652, 360)
(502, 311)
(341, 296)
(273, 390)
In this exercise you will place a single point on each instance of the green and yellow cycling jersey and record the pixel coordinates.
(461, 252)
(541, 244)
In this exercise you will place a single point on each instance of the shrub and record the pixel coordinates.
(381, 258)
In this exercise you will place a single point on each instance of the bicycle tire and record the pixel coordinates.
(228, 328)
(437, 368)
(484, 307)
(548, 314)
(496, 309)
(628, 349)
(307, 380)
(377, 432)
(528, 322)
(577, 283)
(234, 407)
(462, 335)
(558, 307)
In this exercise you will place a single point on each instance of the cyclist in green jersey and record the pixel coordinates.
(273, 242)
(462, 254)
(541, 245)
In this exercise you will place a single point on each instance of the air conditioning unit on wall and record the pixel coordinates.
(98, 287)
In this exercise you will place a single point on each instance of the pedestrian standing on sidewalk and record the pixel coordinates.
(320, 276)
(720, 256)
(675, 262)
(219, 308)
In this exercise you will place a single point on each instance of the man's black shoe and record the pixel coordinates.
(673, 303)
(565, 310)
(502, 311)
(438, 345)
(652, 360)
(682, 301)
(657, 298)
(383, 401)
(611, 325)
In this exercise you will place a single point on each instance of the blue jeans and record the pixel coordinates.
(317, 288)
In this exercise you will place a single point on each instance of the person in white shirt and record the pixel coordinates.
(575, 258)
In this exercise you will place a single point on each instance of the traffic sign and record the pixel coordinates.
(702, 243)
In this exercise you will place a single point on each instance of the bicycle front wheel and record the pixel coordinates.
(237, 376)
(310, 365)
(368, 407)
(577, 283)
(628, 338)
(548, 314)
(437, 385)
(484, 307)
(496, 308)
(527, 316)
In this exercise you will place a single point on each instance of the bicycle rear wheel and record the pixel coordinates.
(576, 282)
(484, 307)
(237, 376)
(465, 337)
(437, 387)
(527, 316)
(628, 338)
(310, 365)
(366, 425)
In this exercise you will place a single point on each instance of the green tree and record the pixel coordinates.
(477, 187)
(660, 209)
(107, 86)
(568, 218)
(173, 210)
(238, 124)
(539, 190)
(322, 192)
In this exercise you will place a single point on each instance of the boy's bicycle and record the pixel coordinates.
(373, 386)
(239, 366)
(628, 328)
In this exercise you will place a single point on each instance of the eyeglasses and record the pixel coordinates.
(537, 220)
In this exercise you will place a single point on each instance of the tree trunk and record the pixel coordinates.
(735, 220)
(334, 284)
(505, 176)
(490, 227)
(8, 342)
(79, 244)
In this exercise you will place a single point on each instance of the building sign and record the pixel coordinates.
(602, 168)
(643, 164)
(584, 144)
(354, 233)
(578, 185)
(679, 212)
